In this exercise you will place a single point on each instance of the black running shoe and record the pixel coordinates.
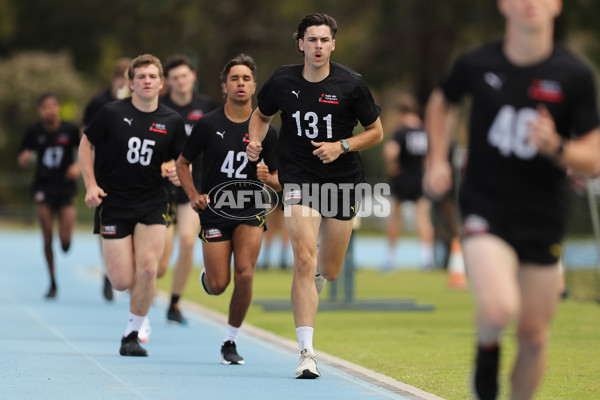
(107, 290)
(51, 292)
(130, 346)
(175, 315)
(229, 354)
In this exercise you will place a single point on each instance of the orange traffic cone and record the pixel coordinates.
(456, 266)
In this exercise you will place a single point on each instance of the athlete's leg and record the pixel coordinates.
(492, 269)
(217, 265)
(119, 262)
(148, 246)
(394, 228)
(45, 218)
(303, 226)
(334, 237)
(538, 285)
(163, 263)
(188, 227)
(425, 230)
(246, 242)
(66, 221)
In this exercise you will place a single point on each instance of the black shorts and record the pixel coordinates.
(407, 186)
(222, 233)
(117, 223)
(532, 243)
(337, 201)
(54, 197)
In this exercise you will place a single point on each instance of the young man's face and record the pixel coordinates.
(530, 14)
(317, 45)
(146, 82)
(49, 110)
(240, 85)
(181, 79)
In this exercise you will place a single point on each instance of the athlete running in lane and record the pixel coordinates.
(230, 227)
(319, 165)
(121, 154)
(533, 115)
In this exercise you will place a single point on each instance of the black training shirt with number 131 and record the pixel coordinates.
(325, 111)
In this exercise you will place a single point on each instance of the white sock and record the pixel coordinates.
(305, 338)
(134, 323)
(231, 333)
(426, 254)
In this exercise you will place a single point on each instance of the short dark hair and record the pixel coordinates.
(142, 61)
(175, 61)
(314, 20)
(240, 59)
(120, 67)
(47, 95)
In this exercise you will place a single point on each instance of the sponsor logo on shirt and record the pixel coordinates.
(222, 134)
(195, 115)
(63, 139)
(160, 128)
(128, 120)
(296, 93)
(246, 138)
(294, 194)
(493, 80)
(109, 229)
(213, 233)
(475, 224)
(328, 98)
(545, 90)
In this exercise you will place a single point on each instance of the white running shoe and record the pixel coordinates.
(308, 366)
(145, 331)
(319, 282)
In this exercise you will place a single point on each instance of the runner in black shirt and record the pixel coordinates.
(321, 102)
(229, 228)
(121, 154)
(405, 155)
(182, 97)
(54, 185)
(117, 82)
(533, 115)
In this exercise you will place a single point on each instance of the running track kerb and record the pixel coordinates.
(68, 348)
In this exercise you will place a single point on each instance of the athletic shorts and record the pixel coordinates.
(117, 223)
(223, 233)
(330, 200)
(407, 186)
(55, 198)
(532, 243)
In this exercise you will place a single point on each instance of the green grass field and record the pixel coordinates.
(430, 350)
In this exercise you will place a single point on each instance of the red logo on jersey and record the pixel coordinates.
(160, 128)
(195, 115)
(543, 90)
(328, 98)
(246, 138)
(63, 139)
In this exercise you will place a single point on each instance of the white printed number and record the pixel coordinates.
(312, 119)
(509, 132)
(140, 151)
(52, 157)
(228, 165)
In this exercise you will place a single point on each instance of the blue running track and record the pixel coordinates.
(67, 348)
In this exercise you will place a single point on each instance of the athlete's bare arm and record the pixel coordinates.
(439, 117)
(94, 194)
(270, 178)
(581, 155)
(199, 202)
(330, 151)
(257, 130)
